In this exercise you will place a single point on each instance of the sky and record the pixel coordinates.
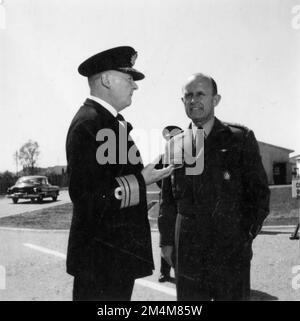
(250, 47)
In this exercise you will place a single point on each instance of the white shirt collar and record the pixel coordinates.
(207, 127)
(105, 104)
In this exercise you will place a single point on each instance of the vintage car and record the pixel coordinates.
(33, 188)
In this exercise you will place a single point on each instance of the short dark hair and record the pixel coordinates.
(214, 86)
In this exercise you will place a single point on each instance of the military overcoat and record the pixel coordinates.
(110, 231)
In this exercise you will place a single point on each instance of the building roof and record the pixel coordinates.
(296, 157)
(279, 147)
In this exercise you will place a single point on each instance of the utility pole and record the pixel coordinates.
(296, 194)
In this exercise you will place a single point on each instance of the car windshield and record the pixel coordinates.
(39, 180)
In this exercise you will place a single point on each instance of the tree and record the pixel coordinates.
(7, 175)
(7, 179)
(28, 156)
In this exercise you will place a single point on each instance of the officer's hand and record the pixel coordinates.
(166, 253)
(152, 175)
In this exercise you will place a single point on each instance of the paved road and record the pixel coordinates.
(7, 207)
(34, 262)
(34, 266)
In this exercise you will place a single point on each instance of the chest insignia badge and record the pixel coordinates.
(227, 176)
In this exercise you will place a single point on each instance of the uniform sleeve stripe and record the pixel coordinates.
(130, 188)
(134, 189)
(127, 191)
(124, 190)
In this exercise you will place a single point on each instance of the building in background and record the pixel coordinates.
(276, 161)
(295, 164)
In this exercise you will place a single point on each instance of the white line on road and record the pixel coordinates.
(45, 250)
(17, 229)
(156, 286)
(141, 282)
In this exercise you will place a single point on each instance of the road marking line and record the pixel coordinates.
(45, 250)
(141, 282)
(17, 229)
(156, 286)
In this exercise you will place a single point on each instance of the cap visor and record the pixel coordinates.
(136, 75)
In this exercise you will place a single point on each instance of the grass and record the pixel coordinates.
(282, 221)
(56, 217)
(59, 218)
(283, 218)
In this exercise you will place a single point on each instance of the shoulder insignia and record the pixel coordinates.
(237, 126)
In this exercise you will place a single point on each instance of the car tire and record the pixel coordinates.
(55, 197)
(40, 199)
(15, 200)
(32, 200)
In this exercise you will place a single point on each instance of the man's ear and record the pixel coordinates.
(216, 100)
(105, 80)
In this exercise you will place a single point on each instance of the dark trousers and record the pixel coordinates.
(229, 286)
(101, 289)
(165, 268)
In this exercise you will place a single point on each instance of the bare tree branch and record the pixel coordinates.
(28, 156)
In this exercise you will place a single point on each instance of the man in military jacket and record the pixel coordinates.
(210, 219)
(110, 241)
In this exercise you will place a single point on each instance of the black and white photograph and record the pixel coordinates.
(150, 151)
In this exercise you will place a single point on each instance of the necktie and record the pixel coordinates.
(122, 120)
(201, 131)
(198, 140)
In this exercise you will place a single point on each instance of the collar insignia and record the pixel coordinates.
(227, 176)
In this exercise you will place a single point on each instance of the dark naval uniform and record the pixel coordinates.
(110, 241)
(212, 218)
